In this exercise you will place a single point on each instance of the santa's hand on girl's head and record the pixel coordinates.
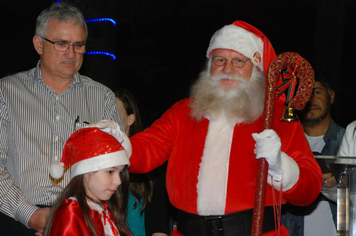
(111, 127)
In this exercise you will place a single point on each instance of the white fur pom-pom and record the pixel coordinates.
(57, 170)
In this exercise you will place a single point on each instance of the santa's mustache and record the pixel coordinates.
(227, 76)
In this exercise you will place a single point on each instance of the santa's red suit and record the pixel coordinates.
(180, 139)
(69, 220)
(212, 167)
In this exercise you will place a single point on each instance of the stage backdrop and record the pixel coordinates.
(159, 45)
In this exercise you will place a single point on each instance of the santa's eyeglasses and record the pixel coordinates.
(236, 62)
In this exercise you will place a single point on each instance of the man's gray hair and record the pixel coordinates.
(63, 12)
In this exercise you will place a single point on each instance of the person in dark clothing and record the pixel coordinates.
(324, 137)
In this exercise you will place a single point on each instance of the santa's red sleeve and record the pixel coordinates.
(151, 148)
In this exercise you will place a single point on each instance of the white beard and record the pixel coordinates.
(242, 103)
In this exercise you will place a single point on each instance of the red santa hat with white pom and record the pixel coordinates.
(93, 148)
(244, 38)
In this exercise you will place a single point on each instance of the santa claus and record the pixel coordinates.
(212, 141)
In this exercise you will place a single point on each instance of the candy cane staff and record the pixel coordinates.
(94, 202)
(285, 73)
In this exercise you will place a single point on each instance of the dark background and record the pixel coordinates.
(160, 45)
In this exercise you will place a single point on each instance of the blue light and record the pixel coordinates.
(99, 20)
(102, 19)
(101, 53)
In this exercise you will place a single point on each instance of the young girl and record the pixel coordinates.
(94, 202)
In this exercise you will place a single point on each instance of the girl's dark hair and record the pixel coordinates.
(141, 186)
(131, 107)
(117, 204)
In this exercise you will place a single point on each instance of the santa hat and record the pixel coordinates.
(243, 38)
(88, 150)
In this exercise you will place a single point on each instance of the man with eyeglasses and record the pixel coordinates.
(213, 139)
(39, 109)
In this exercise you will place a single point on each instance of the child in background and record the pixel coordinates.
(94, 202)
(147, 212)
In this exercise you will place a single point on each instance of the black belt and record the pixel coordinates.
(239, 223)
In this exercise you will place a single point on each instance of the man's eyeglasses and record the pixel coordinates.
(236, 62)
(63, 46)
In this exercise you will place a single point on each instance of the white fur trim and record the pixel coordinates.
(57, 170)
(290, 173)
(112, 159)
(213, 171)
(237, 39)
(127, 145)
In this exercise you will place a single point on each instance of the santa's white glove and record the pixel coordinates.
(111, 127)
(268, 145)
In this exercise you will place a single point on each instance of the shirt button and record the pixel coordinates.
(57, 117)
